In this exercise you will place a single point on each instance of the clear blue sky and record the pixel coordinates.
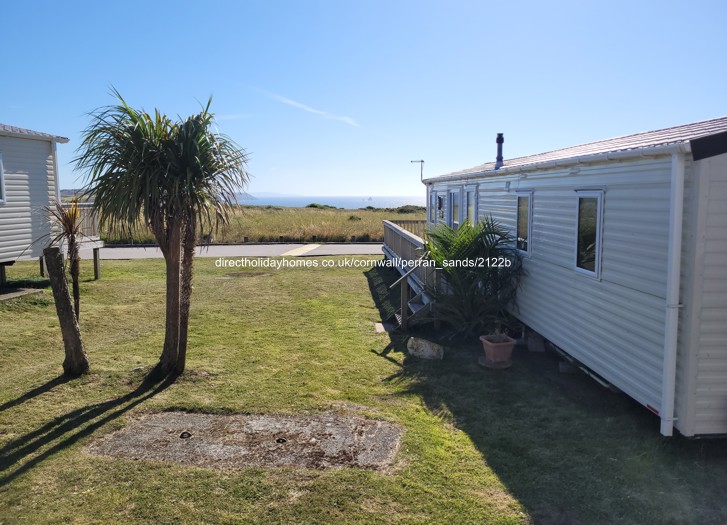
(336, 97)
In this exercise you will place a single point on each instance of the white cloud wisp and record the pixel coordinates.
(308, 109)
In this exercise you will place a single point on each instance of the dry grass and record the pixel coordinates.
(275, 223)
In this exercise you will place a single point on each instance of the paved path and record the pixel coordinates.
(245, 250)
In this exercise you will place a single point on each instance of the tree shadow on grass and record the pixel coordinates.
(567, 449)
(65, 430)
(42, 389)
(32, 282)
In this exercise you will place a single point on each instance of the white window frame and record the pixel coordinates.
(590, 194)
(529, 195)
(432, 206)
(3, 196)
(450, 217)
(474, 190)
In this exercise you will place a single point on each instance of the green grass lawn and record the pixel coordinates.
(524, 445)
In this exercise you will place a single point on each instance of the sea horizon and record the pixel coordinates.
(352, 202)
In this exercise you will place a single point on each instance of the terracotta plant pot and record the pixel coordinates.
(498, 350)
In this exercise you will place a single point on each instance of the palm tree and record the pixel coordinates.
(211, 169)
(172, 176)
(76, 361)
(66, 227)
(68, 223)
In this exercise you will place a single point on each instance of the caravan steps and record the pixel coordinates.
(417, 307)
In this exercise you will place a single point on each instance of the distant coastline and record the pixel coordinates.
(345, 202)
(348, 202)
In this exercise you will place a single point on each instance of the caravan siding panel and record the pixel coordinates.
(711, 367)
(635, 240)
(499, 204)
(29, 185)
(614, 325)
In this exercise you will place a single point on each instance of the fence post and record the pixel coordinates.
(404, 303)
(96, 264)
(3, 275)
(41, 263)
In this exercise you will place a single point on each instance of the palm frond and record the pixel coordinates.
(144, 168)
(476, 290)
(66, 220)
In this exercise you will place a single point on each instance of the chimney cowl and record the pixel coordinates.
(498, 161)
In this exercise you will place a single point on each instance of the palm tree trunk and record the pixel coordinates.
(168, 359)
(73, 259)
(188, 245)
(76, 361)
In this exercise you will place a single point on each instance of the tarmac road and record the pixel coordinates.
(243, 250)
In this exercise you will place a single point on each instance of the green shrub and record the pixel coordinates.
(480, 271)
(410, 209)
(321, 206)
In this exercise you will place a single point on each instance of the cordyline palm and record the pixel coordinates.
(176, 177)
(68, 223)
(211, 169)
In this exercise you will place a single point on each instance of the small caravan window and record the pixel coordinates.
(454, 218)
(588, 242)
(432, 206)
(2, 181)
(524, 221)
(471, 204)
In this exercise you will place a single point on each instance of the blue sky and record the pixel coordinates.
(336, 97)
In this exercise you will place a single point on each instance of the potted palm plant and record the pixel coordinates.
(480, 269)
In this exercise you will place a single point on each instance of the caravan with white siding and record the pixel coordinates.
(625, 247)
(28, 183)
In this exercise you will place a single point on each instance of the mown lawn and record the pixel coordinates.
(525, 445)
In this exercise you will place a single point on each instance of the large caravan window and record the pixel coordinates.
(471, 204)
(588, 245)
(2, 181)
(524, 221)
(454, 209)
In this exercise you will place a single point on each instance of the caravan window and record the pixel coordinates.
(471, 204)
(524, 221)
(432, 206)
(454, 217)
(588, 242)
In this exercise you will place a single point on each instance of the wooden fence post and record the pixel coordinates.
(404, 303)
(96, 264)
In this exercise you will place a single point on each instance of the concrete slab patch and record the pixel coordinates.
(240, 441)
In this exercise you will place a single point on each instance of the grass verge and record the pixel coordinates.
(311, 224)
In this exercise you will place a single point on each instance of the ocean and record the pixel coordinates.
(347, 202)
